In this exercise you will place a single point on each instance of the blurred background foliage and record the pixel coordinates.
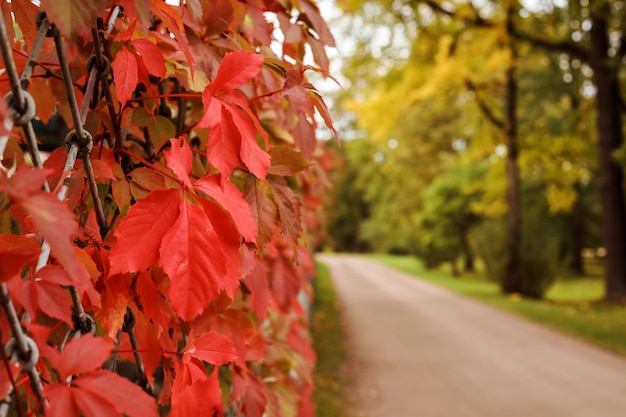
(484, 130)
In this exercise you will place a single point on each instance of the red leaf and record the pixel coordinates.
(234, 127)
(224, 144)
(212, 109)
(92, 393)
(231, 243)
(320, 105)
(170, 17)
(299, 340)
(137, 9)
(254, 399)
(249, 126)
(288, 205)
(304, 135)
(62, 402)
(86, 286)
(231, 200)
(236, 69)
(91, 229)
(188, 374)
(108, 394)
(94, 404)
(102, 170)
(306, 408)
(140, 233)
(126, 74)
(195, 9)
(5, 380)
(193, 258)
(74, 17)
(55, 274)
(56, 224)
(151, 348)
(115, 297)
(264, 209)
(121, 194)
(286, 161)
(45, 296)
(153, 304)
(319, 25)
(218, 15)
(151, 55)
(180, 159)
(25, 181)
(147, 179)
(255, 158)
(237, 325)
(285, 279)
(211, 347)
(201, 399)
(80, 355)
(257, 283)
(15, 252)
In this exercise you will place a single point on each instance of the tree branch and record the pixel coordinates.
(489, 114)
(556, 46)
(476, 20)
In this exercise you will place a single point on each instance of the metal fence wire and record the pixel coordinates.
(21, 349)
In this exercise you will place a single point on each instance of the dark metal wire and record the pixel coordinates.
(79, 134)
(34, 53)
(21, 343)
(19, 99)
(101, 59)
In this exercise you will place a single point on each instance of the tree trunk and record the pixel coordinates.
(577, 227)
(454, 267)
(610, 173)
(468, 262)
(512, 278)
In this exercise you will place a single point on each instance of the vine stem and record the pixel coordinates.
(154, 167)
(171, 95)
(164, 352)
(48, 64)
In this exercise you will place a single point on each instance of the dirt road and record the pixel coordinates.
(421, 351)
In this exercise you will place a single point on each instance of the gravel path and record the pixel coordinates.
(421, 351)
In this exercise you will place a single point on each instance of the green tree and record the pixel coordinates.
(448, 216)
(591, 32)
(346, 205)
(468, 83)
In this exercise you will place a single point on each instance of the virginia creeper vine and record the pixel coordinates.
(164, 276)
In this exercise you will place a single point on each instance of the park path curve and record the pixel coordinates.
(422, 351)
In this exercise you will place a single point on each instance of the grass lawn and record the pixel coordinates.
(572, 305)
(330, 379)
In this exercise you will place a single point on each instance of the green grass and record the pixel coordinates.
(330, 378)
(572, 305)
